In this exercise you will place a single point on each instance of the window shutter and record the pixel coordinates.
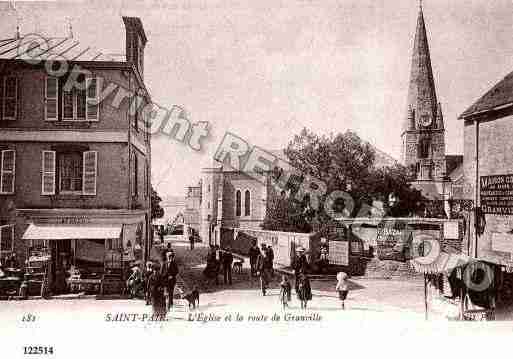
(93, 106)
(1, 96)
(48, 176)
(51, 96)
(8, 166)
(10, 105)
(89, 172)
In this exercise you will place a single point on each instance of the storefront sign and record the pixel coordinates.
(338, 252)
(393, 239)
(65, 220)
(496, 193)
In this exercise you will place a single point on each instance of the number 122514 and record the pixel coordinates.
(37, 350)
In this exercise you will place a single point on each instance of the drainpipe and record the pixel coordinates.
(476, 194)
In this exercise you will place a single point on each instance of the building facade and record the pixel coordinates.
(488, 168)
(232, 199)
(75, 167)
(192, 211)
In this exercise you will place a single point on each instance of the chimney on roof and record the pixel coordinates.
(135, 42)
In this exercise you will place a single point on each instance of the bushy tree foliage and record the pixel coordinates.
(344, 162)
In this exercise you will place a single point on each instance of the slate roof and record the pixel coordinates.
(35, 47)
(499, 95)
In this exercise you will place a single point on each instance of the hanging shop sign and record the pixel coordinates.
(496, 193)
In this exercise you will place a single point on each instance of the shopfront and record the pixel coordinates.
(88, 251)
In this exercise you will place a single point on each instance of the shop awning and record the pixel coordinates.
(60, 232)
(444, 262)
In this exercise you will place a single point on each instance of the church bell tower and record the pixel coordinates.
(423, 133)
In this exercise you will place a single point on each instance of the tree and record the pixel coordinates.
(156, 210)
(344, 163)
(285, 214)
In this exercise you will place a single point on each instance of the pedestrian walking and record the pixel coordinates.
(342, 287)
(285, 291)
(191, 239)
(263, 269)
(170, 273)
(147, 289)
(270, 256)
(161, 234)
(227, 266)
(304, 291)
(254, 252)
(300, 265)
(157, 285)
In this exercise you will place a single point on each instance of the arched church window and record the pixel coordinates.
(247, 203)
(238, 203)
(424, 148)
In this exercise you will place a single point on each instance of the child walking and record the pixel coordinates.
(342, 287)
(285, 291)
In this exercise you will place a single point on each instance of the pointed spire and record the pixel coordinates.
(439, 117)
(421, 92)
(411, 119)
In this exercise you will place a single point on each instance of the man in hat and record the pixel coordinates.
(263, 268)
(253, 255)
(227, 259)
(170, 272)
(300, 265)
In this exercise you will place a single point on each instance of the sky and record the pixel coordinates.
(264, 70)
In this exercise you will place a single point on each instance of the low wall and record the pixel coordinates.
(284, 244)
(392, 241)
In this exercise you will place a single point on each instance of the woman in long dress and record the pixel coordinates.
(157, 285)
(304, 291)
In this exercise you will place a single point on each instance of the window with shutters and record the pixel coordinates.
(6, 239)
(7, 171)
(69, 172)
(75, 104)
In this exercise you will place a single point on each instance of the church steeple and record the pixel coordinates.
(421, 93)
(423, 135)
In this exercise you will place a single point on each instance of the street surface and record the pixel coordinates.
(381, 311)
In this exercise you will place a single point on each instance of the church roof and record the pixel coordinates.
(422, 99)
(498, 96)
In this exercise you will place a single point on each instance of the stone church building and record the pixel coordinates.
(437, 175)
(231, 198)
